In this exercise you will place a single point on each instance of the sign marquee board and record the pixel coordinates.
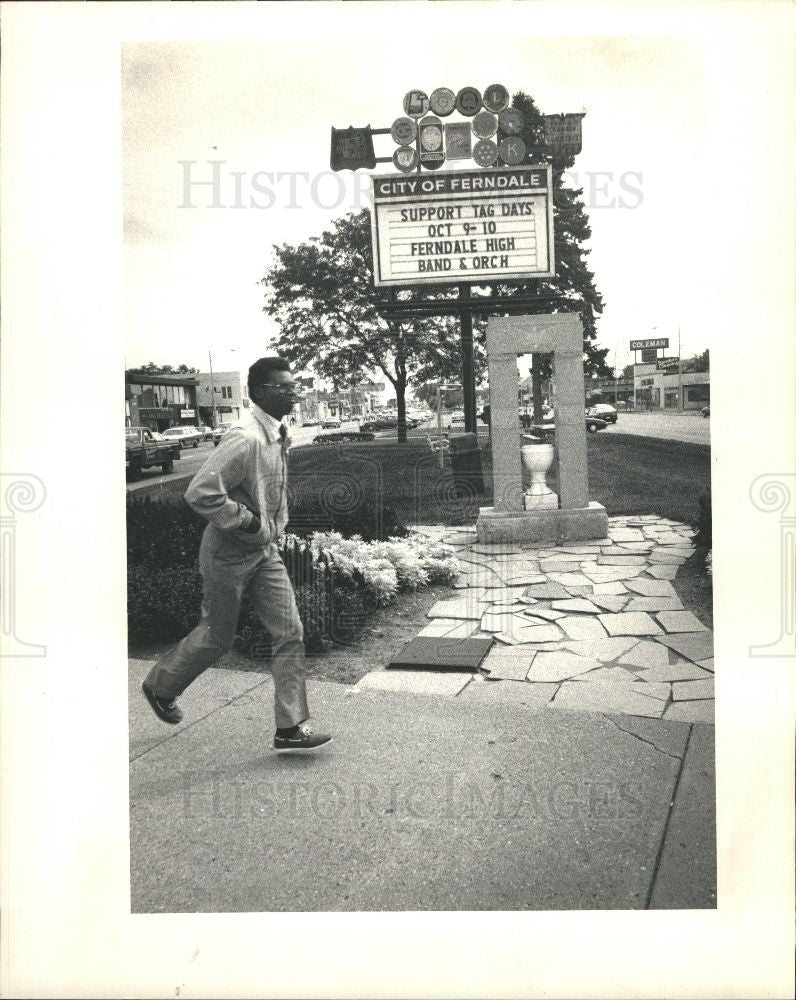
(641, 345)
(463, 227)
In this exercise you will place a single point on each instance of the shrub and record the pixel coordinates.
(382, 568)
(161, 533)
(162, 604)
(336, 438)
(366, 520)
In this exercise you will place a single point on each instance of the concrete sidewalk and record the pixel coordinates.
(422, 802)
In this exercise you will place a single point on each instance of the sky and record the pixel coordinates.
(237, 111)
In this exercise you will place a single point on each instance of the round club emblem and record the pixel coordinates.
(430, 134)
(496, 98)
(403, 131)
(442, 101)
(468, 101)
(415, 103)
(485, 153)
(405, 158)
(511, 121)
(512, 150)
(485, 124)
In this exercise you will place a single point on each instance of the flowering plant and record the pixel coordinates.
(384, 568)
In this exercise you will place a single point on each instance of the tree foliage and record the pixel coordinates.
(697, 363)
(150, 368)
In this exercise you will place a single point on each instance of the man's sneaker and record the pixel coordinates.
(304, 739)
(168, 711)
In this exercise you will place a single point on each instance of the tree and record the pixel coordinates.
(697, 363)
(150, 368)
(321, 293)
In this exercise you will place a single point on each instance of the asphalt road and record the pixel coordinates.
(691, 427)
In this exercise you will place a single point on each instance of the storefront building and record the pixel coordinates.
(159, 401)
(230, 390)
(660, 390)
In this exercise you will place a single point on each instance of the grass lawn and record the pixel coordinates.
(627, 473)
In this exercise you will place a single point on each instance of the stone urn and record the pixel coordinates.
(537, 458)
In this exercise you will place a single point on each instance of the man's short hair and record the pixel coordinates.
(263, 368)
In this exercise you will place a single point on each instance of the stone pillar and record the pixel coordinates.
(562, 336)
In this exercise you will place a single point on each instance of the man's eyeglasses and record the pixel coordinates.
(294, 388)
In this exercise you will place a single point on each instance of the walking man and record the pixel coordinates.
(241, 492)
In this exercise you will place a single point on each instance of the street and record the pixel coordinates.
(667, 424)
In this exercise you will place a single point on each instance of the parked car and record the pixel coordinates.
(219, 432)
(593, 424)
(705, 411)
(379, 424)
(457, 420)
(605, 411)
(330, 422)
(144, 449)
(206, 432)
(187, 436)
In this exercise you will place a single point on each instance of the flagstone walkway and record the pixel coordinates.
(582, 626)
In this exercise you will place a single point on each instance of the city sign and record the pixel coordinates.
(649, 356)
(352, 148)
(458, 141)
(663, 363)
(563, 133)
(496, 98)
(640, 345)
(463, 227)
(443, 101)
(415, 103)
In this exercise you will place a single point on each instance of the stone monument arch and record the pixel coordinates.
(516, 516)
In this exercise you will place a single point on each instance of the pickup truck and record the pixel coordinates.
(143, 450)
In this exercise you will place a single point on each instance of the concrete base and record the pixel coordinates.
(541, 501)
(507, 526)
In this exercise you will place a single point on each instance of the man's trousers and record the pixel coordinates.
(229, 571)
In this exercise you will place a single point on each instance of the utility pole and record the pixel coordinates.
(679, 372)
(212, 390)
